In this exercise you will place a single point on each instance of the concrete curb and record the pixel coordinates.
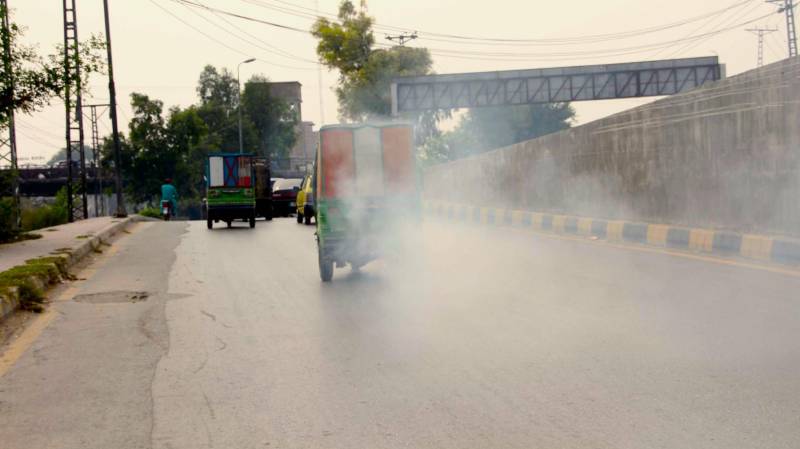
(781, 250)
(9, 301)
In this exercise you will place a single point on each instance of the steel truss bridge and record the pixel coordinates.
(554, 85)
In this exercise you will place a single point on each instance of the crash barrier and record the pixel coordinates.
(758, 247)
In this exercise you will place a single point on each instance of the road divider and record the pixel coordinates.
(782, 250)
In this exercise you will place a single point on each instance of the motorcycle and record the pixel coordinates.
(166, 210)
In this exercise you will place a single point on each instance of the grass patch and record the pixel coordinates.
(83, 236)
(151, 212)
(51, 269)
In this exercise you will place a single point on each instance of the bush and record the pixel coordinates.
(46, 215)
(7, 219)
(151, 212)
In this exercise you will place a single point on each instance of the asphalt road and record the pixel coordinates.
(480, 339)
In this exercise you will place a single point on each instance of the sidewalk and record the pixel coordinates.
(56, 237)
(72, 241)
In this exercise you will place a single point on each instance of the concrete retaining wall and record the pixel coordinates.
(724, 156)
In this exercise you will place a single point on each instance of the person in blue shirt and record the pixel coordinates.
(169, 193)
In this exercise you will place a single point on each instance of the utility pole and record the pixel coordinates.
(319, 81)
(112, 112)
(76, 192)
(402, 38)
(99, 202)
(761, 32)
(8, 140)
(787, 7)
(239, 95)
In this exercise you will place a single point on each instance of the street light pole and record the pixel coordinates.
(112, 93)
(239, 95)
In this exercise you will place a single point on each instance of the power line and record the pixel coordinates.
(212, 38)
(505, 56)
(402, 38)
(505, 41)
(788, 9)
(760, 32)
(265, 47)
(517, 56)
(733, 18)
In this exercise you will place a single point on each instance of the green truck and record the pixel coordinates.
(230, 188)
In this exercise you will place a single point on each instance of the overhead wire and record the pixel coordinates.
(212, 38)
(263, 45)
(742, 13)
(457, 38)
(519, 56)
(504, 56)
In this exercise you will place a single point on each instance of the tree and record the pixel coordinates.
(365, 73)
(187, 136)
(218, 87)
(272, 119)
(489, 128)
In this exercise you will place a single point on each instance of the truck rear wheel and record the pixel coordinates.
(325, 266)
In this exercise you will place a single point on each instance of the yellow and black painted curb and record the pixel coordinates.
(770, 249)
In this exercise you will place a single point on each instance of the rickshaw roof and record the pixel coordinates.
(222, 154)
(366, 125)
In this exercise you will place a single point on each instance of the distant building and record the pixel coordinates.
(301, 156)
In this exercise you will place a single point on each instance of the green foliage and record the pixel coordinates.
(273, 120)
(21, 277)
(365, 72)
(175, 144)
(46, 215)
(485, 129)
(152, 212)
(49, 270)
(7, 218)
(218, 87)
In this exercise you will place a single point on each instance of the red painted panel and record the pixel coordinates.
(338, 167)
(398, 160)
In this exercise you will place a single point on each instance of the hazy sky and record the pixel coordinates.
(157, 54)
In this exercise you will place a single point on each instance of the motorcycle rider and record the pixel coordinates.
(169, 193)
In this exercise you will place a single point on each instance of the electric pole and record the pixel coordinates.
(99, 200)
(8, 139)
(76, 191)
(112, 112)
(402, 38)
(761, 32)
(787, 7)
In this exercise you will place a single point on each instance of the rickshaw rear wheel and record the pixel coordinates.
(325, 267)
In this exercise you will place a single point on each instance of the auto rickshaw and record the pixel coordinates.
(230, 191)
(366, 182)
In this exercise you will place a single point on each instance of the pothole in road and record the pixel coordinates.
(113, 297)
